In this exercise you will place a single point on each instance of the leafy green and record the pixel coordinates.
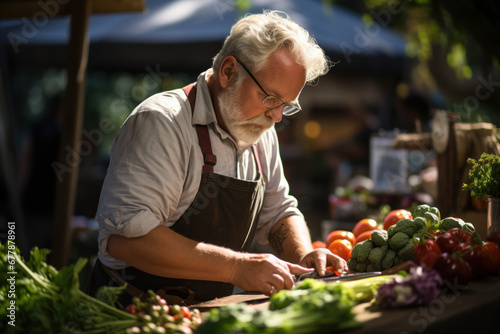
(484, 176)
(50, 301)
(311, 307)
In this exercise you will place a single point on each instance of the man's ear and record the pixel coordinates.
(227, 71)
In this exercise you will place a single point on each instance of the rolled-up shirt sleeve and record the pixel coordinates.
(145, 177)
(278, 203)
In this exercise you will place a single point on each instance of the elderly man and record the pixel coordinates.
(195, 174)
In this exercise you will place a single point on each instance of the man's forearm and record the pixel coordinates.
(164, 252)
(290, 239)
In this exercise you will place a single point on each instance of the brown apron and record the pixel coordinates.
(225, 212)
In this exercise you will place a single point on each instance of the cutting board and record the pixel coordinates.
(256, 298)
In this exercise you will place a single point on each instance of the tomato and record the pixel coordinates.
(363, 236)
(318, 244)
(490, 257)
(339, 234)
(472, 254)
(186, 312)
(330, 270)
(462, 236)
(447, 242)
(428, 259)
(453, 269)
(364, 225)
(494, 237)
(423, 250)
(342, 248)
(394, 216)
(132, 309)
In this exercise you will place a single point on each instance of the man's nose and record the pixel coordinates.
(276, 114)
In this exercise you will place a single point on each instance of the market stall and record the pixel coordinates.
(474, 308)
(420, 273)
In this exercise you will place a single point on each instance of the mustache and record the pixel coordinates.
(259, 120)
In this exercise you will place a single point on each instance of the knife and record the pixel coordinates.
(333, 277)
(353, 276)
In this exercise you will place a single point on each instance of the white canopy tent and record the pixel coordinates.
(183, 35)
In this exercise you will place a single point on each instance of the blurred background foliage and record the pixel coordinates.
(108, 95)
(454, 46)
(453, 42)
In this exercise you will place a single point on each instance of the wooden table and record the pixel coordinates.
(475, 309)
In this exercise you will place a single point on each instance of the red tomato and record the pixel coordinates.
(472, 254)
(424, 250)
(318, 244)
(330, 270)
(447, 242)
(462, 236)
(131, 308)
(342, 248)
(339, 234)
(394, 216)
(490, 257)
(453, 269)
(186, 312)
(363, 236)
(364, 225)
(428, 259)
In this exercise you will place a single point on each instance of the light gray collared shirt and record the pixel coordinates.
(156, 165)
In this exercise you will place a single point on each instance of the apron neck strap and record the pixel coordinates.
(206, 147)
(209, 158)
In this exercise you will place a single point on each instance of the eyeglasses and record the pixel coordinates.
(271, 101)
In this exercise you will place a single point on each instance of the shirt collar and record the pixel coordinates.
(204, 113)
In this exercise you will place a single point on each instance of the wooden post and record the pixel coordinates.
(448, 183)
(8, 166)
(69, 157)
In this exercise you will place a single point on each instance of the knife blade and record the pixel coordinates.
(333, 277)
(405, 266)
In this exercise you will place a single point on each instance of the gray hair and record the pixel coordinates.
(255, 37)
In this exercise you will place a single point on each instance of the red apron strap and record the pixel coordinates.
(206, 147)
(190, 91)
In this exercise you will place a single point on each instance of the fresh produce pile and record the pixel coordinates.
(450, 246)
(41, 299)
(158, 317)
(311, 307)
(387, 248)
(419, 287)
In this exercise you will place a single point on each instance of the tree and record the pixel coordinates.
(456, 45)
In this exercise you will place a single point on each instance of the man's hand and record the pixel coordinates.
(321, 258)
(265, 273)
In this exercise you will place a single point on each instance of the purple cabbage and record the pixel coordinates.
(419, 288)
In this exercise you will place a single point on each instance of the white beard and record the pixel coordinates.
(244, 132)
